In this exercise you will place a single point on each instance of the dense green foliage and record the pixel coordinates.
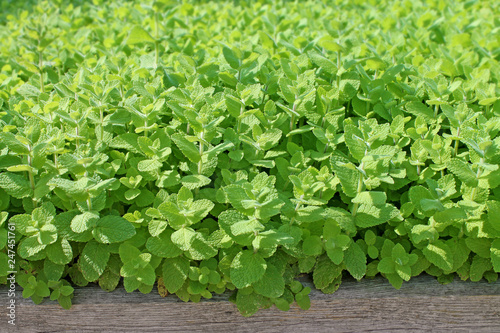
(231, 145)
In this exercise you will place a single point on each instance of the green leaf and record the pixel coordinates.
(386, 266)
(348, 178)
(325, 272)
(127, 141)
(175, 272)
(439, 254)
(52, 271)
(193, 182)
(463, 171)
(139, 35)
(420, 109)
(369, 216)
(247, 227)
(355, 261)
(481, 246)
(183, 238)
(312, 246)
(162, 245)
(30, 246)
(370, 198)
(4, 264)
(60, 252)
(15, 185)
(201, 249)
(149, 165)
(353, 138)
(450, 214)
(247, 268)
(93, 260)
(230, 57)
(14, 144)
(271, 284)
(495, 254)
(175, 218)
(84, 221)
(113, 229)
(478, 267)
(47, 234)
(187, 147)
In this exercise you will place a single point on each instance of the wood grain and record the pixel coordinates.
(422, 305)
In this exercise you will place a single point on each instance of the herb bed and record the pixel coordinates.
(201, 147)
(421, 305)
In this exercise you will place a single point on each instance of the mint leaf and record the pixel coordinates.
(440, 255)
(93, 260)
(113, 229)
(247, 268)
(15, 185)
(175, 272)
(355, 261)
(139, 35)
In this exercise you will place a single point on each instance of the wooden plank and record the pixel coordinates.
(367, 306)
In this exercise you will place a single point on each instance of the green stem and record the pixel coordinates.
(456, 141)
(292, 120)
(200, 163)
(157, 43)
(338, 67)
(101, 116)
(297, 207)
(478, 174)
(239, 119)
(261, 106)
(40, 68)
(436, 110)
(32, 179)
(359, 190)
(77, 137)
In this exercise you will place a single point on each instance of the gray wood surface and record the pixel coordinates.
(422, 305)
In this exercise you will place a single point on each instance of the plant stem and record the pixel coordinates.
(478, 174)
(77, 137)
(359, 189)
(456, 141)
(239, 119)
(297, 207)
(32, 179)
(200, 163)
(40, 68)
(338, 67)
(101, 116)
(157, 44)
(292, 120)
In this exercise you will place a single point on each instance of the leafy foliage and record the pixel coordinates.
(229, 145)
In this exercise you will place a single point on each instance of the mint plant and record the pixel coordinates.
(202, 148)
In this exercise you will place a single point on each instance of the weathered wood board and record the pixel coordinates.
(422, 305)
